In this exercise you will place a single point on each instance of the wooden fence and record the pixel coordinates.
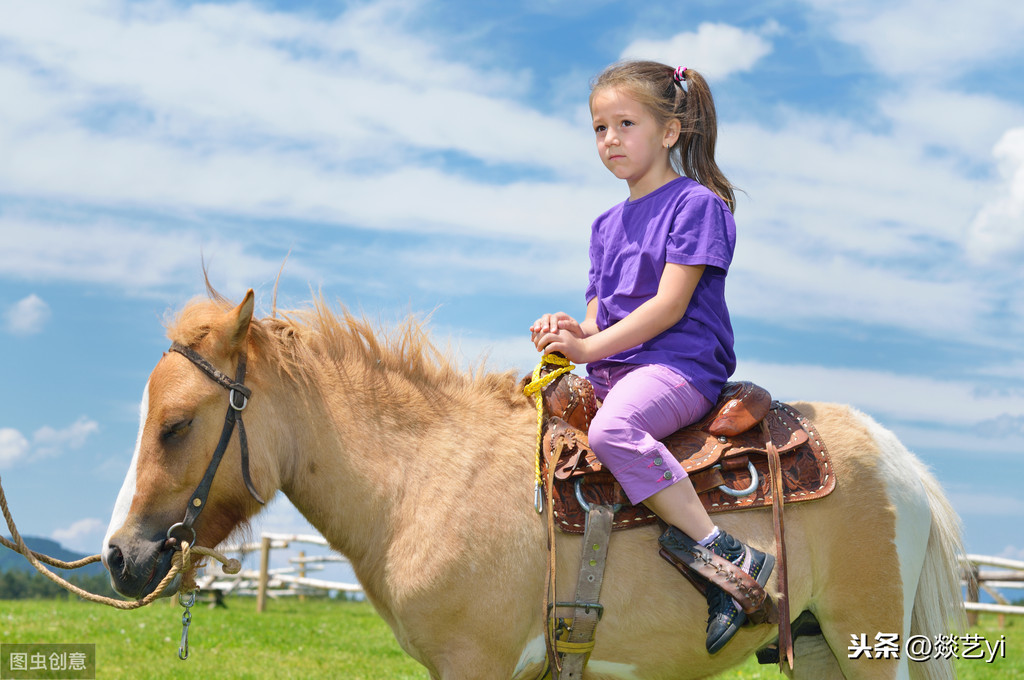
(1009, 574)
(284, 581)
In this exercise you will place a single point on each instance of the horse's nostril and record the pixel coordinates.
(115, 561)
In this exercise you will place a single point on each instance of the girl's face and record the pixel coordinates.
(631, 142)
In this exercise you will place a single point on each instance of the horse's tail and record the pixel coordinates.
(938, 603)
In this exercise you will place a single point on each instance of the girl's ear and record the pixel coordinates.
(672, 131)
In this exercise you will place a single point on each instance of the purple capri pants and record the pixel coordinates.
(642, 404)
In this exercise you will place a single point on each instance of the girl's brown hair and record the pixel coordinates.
(690, 102)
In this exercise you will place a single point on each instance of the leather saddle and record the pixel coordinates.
(725, 454)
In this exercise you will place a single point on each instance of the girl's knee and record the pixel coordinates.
(613, 438)
(599, 435)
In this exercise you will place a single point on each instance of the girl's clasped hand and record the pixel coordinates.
(560, 333)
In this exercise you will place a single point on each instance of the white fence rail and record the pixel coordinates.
(284, 581)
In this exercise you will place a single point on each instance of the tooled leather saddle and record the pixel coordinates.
(725, 454)
(749, 451)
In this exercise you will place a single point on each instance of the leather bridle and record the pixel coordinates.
(238, 398)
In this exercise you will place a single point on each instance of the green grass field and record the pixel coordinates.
(313, 639)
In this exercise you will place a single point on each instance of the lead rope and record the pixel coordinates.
(535, 389)
(181, 562)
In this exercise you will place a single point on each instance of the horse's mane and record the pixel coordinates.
(300, 342)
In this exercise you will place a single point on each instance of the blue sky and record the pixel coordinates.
(436, 158)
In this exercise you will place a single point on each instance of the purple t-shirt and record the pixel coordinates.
(682, 222)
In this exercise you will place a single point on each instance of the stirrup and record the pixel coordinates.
(698, 564)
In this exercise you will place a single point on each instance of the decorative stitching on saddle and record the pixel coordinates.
(570, 404)
(709, 454)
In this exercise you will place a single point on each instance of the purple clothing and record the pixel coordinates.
(642, 404)
(682, 222)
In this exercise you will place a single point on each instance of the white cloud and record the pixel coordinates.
(46, 441)
(902, 397)
(251, 113)
(502, 354)
(987, 503)
(848, 187)
(83, 534)
(842, 223)
(139, 259)
(715, 50)
(926, 39)
(13, 447)
(997, 231)
(966, 123)
(240, 111)
(216, 77)
(27, 316)
(1012, 553)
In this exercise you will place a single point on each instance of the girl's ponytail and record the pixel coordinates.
(694, 151)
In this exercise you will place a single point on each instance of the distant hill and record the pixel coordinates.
(10, 560)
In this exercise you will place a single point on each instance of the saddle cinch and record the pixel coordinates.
(749, 451)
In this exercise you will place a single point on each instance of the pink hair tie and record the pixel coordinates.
(680, 75)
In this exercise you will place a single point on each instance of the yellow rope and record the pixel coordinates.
(535, 389)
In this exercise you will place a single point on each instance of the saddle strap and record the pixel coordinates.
(778, 498)
(588, 611)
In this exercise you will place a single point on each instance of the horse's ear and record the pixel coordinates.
(236, 326)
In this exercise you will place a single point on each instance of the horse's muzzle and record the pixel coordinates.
(137, 566)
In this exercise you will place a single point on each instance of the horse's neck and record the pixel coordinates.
(339, 473)
(378, 469)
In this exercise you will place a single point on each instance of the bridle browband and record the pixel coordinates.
(238, 398)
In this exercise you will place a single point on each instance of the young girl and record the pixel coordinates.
(657, 339)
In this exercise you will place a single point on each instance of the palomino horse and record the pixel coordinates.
(422, 475)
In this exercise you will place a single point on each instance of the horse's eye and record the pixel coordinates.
(175, 430)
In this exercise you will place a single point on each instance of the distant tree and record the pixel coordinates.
(17, 584)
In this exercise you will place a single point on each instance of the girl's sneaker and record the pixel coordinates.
(725, 615)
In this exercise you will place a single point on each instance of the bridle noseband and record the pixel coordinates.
(238, 398)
